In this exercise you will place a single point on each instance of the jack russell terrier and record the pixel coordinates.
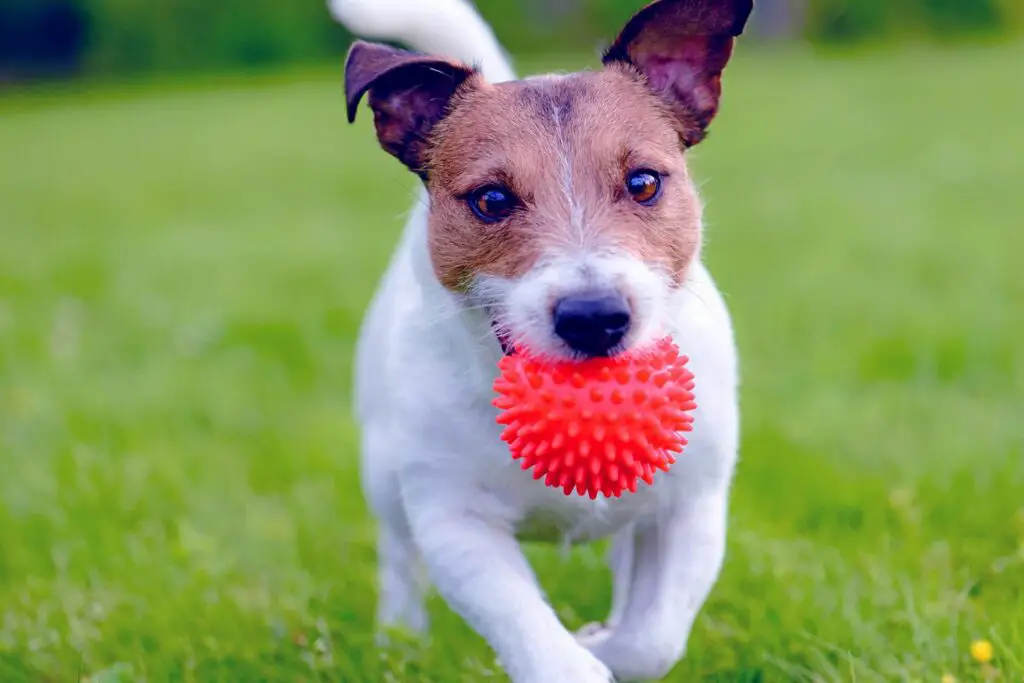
(557, 212)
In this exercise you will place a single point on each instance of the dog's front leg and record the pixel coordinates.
(675, 562)
(477, 566)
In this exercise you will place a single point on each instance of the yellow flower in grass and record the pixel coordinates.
(982, 651)
(949, 678)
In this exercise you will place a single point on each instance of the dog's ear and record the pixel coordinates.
(408, 93)
(681, 47)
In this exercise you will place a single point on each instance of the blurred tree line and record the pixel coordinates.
(63, 37)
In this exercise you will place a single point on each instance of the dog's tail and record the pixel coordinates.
(452, 28)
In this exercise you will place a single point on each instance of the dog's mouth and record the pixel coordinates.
(507, 347)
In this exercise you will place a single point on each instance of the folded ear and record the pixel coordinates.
(408, 93)
(682, 47)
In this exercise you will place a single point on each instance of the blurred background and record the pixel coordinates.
(116, 37)
(190, 234)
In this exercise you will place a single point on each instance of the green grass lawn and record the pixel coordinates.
(183, 268)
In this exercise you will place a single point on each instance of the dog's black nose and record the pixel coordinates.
(592, 323)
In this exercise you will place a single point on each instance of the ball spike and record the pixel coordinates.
(599, 426)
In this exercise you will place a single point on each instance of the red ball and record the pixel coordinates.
(599, 425)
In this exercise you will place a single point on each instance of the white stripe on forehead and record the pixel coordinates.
(546, 77)
(576, 216)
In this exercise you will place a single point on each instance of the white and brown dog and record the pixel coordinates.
(557, 212)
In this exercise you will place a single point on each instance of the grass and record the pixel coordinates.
(182, 273)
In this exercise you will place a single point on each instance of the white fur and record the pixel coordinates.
(522, 307)
(441, 482)
(442, 27)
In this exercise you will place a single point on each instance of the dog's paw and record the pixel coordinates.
(635, 659)
(581, 667)
(591, 634)
(589, 669)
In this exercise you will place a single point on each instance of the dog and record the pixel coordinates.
(556, 212)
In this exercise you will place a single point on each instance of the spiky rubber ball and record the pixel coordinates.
(599, 426)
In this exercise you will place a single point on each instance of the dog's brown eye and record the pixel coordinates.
(492, 203)
(644, 186)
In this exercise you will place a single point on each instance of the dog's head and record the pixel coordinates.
(562, 204)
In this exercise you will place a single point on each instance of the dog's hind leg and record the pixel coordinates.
(620, 561)
(401, 577)
(401, 582)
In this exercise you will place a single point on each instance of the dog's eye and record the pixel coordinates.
(644, 186)
(492, 203)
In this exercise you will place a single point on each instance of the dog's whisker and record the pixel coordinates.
(446, 311)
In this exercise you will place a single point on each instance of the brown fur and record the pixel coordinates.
(563, 144)
(560, 142)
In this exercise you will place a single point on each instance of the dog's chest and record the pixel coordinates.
(541, 513)
(547, 514)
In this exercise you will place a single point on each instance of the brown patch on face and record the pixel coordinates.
(564, 146)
